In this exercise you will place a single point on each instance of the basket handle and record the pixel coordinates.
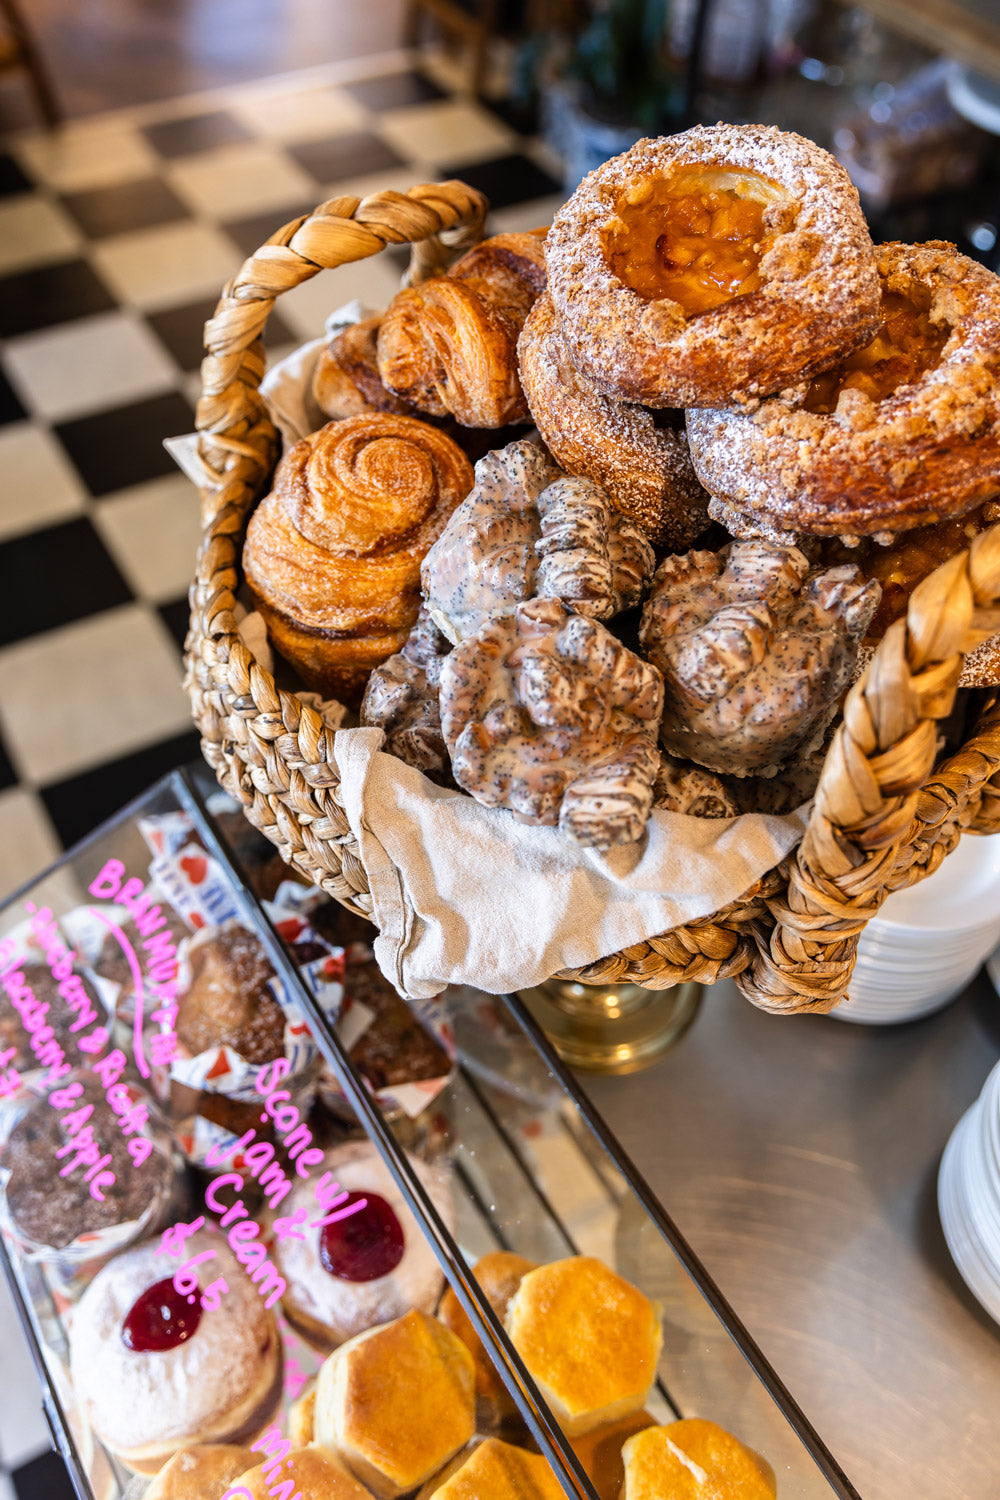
(237, 446)
(868, 796)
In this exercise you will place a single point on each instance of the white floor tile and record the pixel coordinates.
(163, 267)
(247, 178)
(6, 1488)
(24, 1432)
(374, 282)
(40, 485)
(304, 116)
(28, 845)
(452, 130)
(34, 232)
(89, 364)
(90, 692)
(153, 532)
(89, 154)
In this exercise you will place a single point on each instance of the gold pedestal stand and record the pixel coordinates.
(611, 1028)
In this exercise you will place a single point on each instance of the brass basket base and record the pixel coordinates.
(611, 1028)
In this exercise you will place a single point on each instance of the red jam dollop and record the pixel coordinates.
(159, 1319)
(364, 1246)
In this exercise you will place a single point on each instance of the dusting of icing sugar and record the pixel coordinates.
(868, 466)
(819, 290)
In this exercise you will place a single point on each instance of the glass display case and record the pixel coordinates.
(135, 1119)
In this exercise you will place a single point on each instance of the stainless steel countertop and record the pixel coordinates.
(798, 1156)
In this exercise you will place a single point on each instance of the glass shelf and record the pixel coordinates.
(532, 1169)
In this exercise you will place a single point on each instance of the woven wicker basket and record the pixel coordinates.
(883, 816)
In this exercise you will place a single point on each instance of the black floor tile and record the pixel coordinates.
(339, 156)
(8, 776)
(53, 576)
(176, 616)
(12, 177)
(182, 330)
(48, 295)
(80, 803)
(394, 90)
(126, 206)
(196, 133)
(122, 447)
(250, 233)
(506, 179)
(11, 409)
(44, 1478)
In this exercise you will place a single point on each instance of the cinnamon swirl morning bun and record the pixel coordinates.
(332, 556)
(712, 267)
(903, 433)
(640, 461)
(450, 343)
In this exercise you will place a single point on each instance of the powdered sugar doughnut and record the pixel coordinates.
(220, 1384)
(713, 266)
(327, 1305)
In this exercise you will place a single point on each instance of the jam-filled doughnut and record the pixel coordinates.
(903, 433)
(155, 1369)
(366, 1268)
(641, 462)
(712, 267)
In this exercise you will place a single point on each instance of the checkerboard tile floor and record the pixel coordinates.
(116, 235)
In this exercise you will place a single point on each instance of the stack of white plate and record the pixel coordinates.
(929, 941)
(969, 1195)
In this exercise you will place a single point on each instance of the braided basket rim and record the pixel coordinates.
(883, 816)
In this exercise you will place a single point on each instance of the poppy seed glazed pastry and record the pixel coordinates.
(332, 555)
(905, 432)
(756, 650)
(153, 1372)
(712, 267)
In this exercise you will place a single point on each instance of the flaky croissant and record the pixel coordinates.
(346, 382)
(450, 344)
(332, 555)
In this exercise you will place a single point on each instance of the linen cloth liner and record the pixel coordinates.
(465, 894)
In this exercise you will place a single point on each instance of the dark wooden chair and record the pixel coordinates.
(18, 50)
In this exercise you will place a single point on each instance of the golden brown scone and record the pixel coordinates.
(314, 1473)
(600, 1452)
(904, 433)
(301, 1416)
(499, 1275)
(694, 1460)
(202, 1472)
(711, 267)
(397, 1402)
(332, 555)
(642, 462)
(590, 1340)
(346, 381)
(450, 343)
(494, 1470)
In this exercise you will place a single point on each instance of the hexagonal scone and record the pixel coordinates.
(589, 1338)
(694, 1460)
(494, 1470)
(397, 1402)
